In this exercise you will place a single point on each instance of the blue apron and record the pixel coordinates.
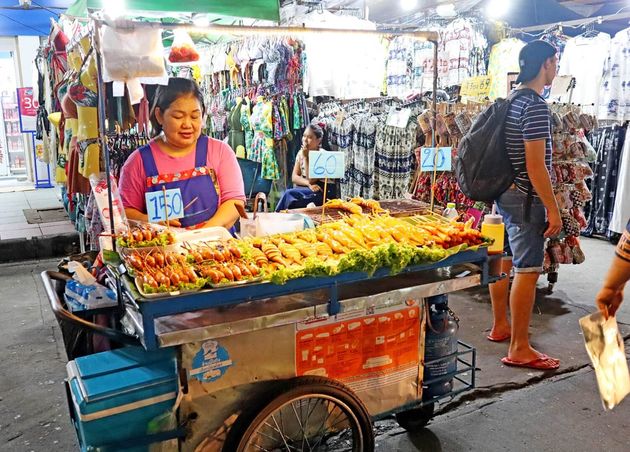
(199, 194)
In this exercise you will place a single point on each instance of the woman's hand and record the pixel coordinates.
(315, 187)
(174, 223)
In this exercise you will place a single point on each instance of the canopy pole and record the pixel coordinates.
(433, 121)
(258, 30)
(101, 124)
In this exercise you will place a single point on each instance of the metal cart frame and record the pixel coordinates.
(459, 271)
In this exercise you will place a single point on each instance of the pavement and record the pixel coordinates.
(510, 409)
(19, 239)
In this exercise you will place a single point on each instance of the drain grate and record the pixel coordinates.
(46, 215)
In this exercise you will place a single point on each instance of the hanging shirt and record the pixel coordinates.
(584, 59)
(614, 95)
(503, 59)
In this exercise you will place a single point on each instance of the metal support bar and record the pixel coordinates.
(431, 36)
(576, 22)
(101, 125)
(333, 304)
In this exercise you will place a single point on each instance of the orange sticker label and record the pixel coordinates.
(359, 347)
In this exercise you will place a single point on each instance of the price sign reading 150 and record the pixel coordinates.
(326, 165)
(161, 203)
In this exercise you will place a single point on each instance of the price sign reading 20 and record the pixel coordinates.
(441, 157)
(160, 203)
(326, 165)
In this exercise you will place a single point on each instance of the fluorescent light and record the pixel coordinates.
(201, 20)
(495, 9)
(408, 5)
(115, 8)
(446, 10)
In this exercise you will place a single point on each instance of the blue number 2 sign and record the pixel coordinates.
(442, 160)
(160, 203)
(326, 165)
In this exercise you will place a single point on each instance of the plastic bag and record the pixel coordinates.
(606, 349)
(83, 292)
(183, 49)
(130, 53)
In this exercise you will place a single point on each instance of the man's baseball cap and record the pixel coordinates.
(531, 58)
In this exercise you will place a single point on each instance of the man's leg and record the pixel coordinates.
(522, 297)
(499, 297)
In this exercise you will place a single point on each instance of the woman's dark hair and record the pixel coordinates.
(317, 130)
(165, 95)
(320, 133)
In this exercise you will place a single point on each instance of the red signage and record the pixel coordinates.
(28, 109)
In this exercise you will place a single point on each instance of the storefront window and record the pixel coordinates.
(12, 148)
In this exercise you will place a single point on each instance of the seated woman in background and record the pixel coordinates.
(306, 190)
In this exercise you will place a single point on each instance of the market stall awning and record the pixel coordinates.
(16, 20)
(253, 9)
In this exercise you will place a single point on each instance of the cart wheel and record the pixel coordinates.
(415, 419)
(312, 414)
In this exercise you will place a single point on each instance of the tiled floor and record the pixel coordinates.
(13, 224)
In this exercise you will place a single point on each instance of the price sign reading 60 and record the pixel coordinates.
(161, 203)
(326, 165)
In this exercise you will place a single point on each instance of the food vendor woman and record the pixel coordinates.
(179, 156)
(307, 190)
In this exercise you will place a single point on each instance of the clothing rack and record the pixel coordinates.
(98, 22)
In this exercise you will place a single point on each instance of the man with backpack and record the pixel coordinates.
(506, 157)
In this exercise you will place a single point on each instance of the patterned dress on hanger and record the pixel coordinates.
(393, 164)
(262, 145)
(246, 125)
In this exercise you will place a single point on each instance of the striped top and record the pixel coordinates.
(528, 119)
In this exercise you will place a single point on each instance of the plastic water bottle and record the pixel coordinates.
(451, 211)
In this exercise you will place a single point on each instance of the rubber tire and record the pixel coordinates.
(415, 419)
(246, 424)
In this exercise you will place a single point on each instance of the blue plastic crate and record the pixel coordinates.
(116, 394)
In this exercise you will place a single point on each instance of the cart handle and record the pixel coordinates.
(63, 314)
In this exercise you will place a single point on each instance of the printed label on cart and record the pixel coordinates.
(362, 348)
(211, 362)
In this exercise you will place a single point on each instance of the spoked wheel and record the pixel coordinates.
(313, 414)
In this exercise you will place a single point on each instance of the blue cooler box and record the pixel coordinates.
(115, 395)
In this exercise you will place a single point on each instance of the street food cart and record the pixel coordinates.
(303, 365)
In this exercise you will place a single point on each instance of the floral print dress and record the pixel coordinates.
(262, 144)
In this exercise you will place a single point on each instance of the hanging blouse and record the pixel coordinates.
(262, 144)
(614, 95)
(584, 59)
(503, 59)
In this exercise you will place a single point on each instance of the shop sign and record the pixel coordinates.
(28, 106)
(476, 87)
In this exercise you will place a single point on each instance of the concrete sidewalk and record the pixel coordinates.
(21, 240)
